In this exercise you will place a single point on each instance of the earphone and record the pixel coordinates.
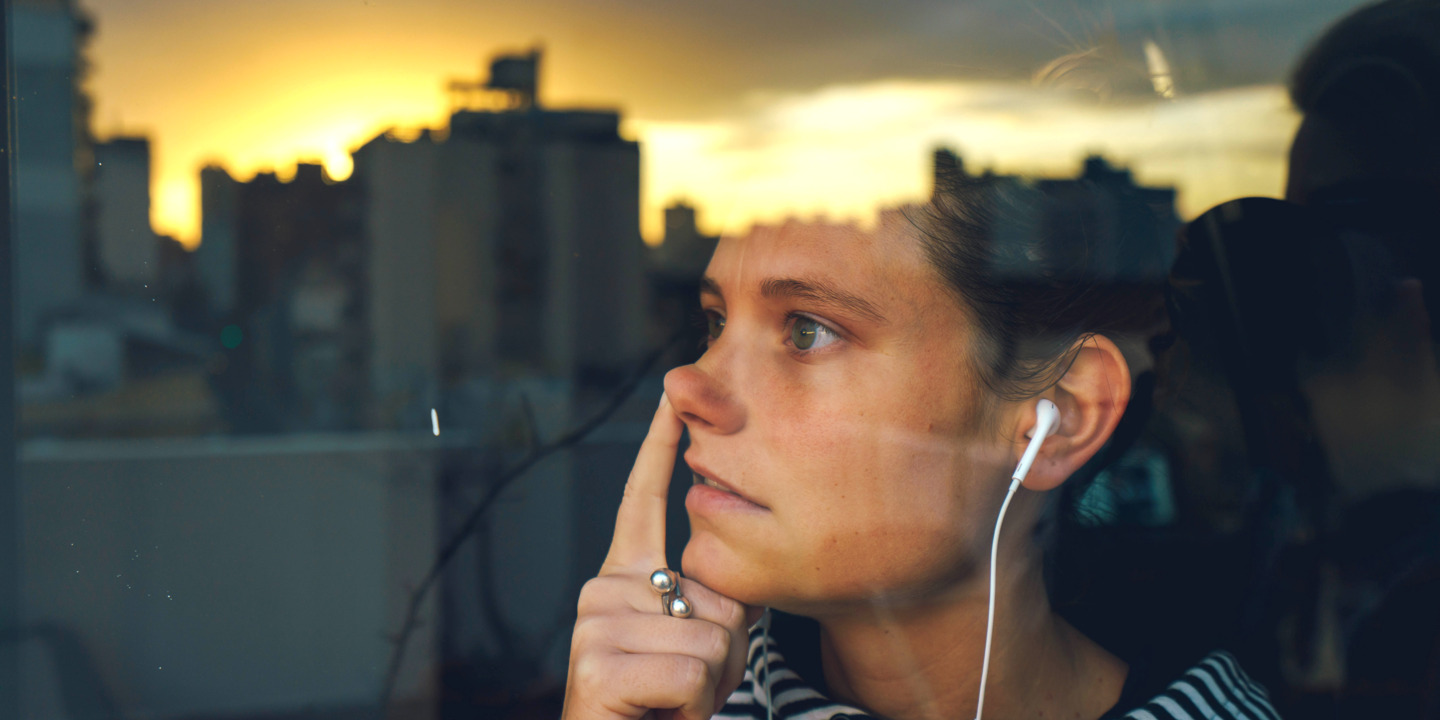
(1047, 421)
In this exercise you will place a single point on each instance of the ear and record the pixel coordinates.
(1091, 396)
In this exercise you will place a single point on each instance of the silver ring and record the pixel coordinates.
(678, 607)
(664, 581)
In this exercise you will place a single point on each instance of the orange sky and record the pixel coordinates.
(262, 88)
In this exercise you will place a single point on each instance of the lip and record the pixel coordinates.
(711, 497)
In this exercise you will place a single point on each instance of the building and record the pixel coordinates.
(1127, 230)
(127, 248)
(87, 325)
(508, 245)
(215, 259)
(675, 268)
(52, 161)
(506, 287)
(1104, 201)
(281, 263)
(684, 252)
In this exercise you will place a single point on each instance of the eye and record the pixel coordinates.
(808, 334)
(714, 324)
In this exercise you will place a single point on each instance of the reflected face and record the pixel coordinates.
(836, 423)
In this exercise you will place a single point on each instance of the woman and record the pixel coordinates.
(854, 424)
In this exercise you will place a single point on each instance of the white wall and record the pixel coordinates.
(228, 576)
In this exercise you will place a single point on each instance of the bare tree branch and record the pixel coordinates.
(473, 521)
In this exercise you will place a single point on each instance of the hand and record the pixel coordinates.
(627, 658)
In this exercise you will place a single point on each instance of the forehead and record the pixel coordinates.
(880, 262)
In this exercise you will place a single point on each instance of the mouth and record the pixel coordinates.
(702, 480)
(709, 483)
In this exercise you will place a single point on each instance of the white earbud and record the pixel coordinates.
(1047, 421)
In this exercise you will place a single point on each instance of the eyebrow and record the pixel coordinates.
(708, 286)
(812, 290)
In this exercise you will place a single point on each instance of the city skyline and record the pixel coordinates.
(792, 126)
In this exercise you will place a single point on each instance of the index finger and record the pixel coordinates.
(640, 524)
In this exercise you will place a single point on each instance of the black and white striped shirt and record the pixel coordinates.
(1213, 689)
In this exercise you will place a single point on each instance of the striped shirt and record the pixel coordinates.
(1213, 689)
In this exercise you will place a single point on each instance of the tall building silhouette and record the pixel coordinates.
(127, 248)
(508, 246)
(52, 160)
(215, 259)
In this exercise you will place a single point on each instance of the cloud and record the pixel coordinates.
(253, 82)
(691, 59)
(846, 150)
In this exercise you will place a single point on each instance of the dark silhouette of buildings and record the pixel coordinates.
(504, 247)
(52, 162)
(128, 253)
(286, 271)
(507, 247)
(675, 268)
(1103, 201)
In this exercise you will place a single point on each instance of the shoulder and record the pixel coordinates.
(1215, 687)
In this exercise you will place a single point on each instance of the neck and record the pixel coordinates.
(918, 661)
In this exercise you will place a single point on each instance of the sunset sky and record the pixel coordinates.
(751, 110)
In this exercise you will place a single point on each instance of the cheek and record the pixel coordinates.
(856, 564)
(877, 497)
(908, 521)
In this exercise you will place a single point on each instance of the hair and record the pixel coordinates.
(1033, 289)
(1376, 75)
(1403, 32)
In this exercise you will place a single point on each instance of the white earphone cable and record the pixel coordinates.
(990, 619)
(1047, 420)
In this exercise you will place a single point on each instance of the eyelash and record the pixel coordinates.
(701, 319)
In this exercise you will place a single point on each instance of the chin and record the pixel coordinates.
(716, 566)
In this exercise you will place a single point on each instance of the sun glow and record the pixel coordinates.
(838, 153)
(319, 121)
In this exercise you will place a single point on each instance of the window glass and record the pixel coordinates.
(337, 325)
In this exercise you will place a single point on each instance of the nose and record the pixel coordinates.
(702, 402)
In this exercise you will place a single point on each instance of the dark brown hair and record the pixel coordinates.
(1376, 75)
(1035, 285)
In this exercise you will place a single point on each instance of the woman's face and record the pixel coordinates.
(835, 399)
